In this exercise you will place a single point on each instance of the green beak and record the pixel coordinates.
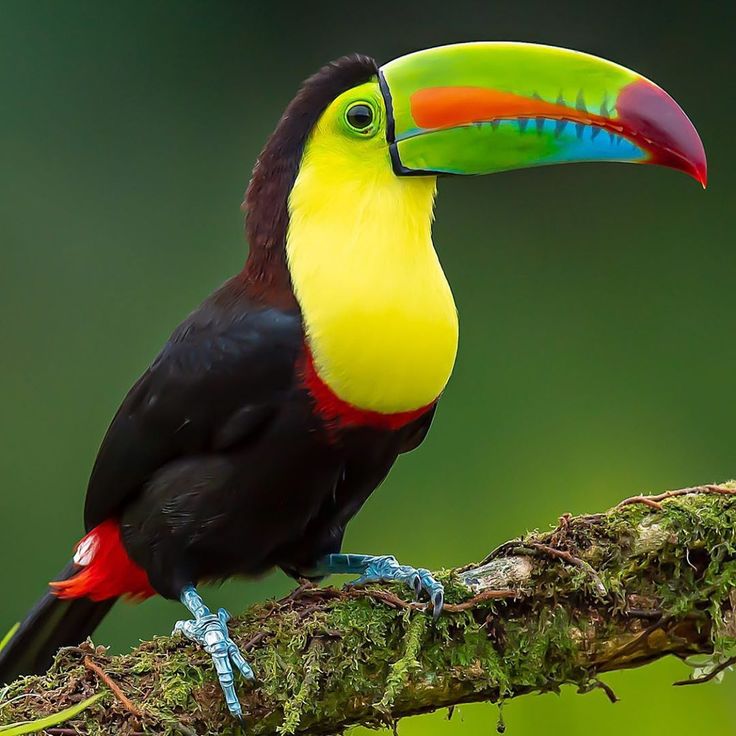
(478, 108)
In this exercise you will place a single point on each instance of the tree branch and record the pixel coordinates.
(653, 576)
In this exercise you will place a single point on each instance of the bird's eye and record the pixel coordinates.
(360, 117)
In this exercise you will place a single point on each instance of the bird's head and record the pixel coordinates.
(481, 108)
(470, 108)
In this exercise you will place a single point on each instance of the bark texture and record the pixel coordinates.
(651, 577)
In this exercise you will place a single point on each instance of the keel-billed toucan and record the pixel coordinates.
(280, 404)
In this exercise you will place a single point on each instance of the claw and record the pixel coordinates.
(210, 631)
(240, 662)
(386, 567)
(374, 568)
(438, 602)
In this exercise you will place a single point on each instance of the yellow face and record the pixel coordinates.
(348, 143)
(379, 315)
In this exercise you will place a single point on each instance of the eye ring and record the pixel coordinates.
(360, 118)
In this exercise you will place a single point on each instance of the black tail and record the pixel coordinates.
(51, 624)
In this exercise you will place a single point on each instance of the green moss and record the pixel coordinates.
(402, 668)
(178, 681)
(306, 691)
(145, 663)
(455, 590)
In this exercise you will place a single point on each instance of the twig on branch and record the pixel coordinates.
(116, 691)
(712, 675)
(526, 619)
(563, 555)
(654, 502)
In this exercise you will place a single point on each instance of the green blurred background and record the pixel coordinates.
(597, 355)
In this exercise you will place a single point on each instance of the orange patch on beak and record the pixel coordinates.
(447, 107)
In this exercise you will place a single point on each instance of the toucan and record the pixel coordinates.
(279, 405)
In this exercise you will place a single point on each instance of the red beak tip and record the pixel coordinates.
(649, 110)
(699, 172)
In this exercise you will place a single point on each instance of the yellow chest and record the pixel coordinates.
(378, 312)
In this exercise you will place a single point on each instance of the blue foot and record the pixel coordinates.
(210, 631)
(377, 568)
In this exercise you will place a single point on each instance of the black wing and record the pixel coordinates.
(219, 378)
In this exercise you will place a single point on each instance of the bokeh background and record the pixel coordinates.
(597, 352)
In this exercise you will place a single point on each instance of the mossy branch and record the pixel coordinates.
(653, 576)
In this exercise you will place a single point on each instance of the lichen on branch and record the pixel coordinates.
(653, 576)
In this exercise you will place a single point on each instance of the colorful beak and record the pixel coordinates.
(478, 108)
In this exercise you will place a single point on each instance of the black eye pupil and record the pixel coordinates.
(360, 116)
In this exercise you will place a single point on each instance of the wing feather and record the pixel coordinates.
(217, 381)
